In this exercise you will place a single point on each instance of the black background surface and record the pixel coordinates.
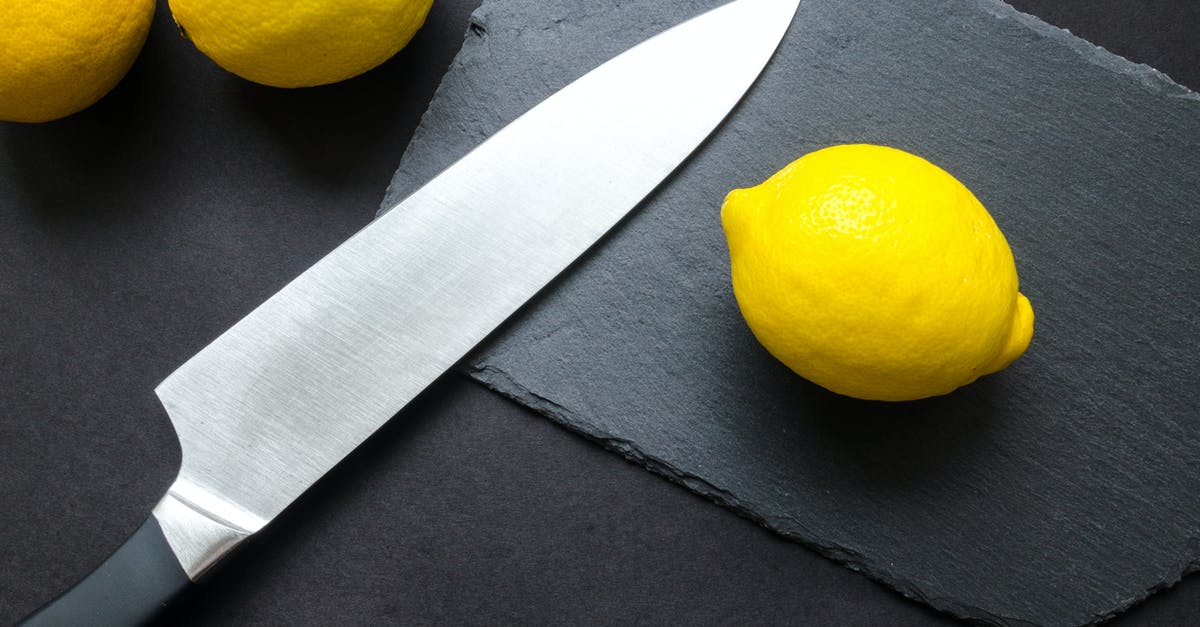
(139, 229)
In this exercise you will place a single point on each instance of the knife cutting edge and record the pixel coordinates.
(276, 401)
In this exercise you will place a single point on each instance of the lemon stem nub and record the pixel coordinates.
(1019, 335)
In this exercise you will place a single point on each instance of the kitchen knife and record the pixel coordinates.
(277, 400)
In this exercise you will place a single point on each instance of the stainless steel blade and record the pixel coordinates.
(273, 403)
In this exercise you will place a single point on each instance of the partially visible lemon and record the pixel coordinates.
(58, 57)
(875, 274)
(299, 43)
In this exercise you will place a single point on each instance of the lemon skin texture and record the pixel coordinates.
(58, 57)
(875, 274)
(299, 43)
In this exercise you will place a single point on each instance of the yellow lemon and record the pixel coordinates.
(875, 274)
(58, 57)
(299, 43)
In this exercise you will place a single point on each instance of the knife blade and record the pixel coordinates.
(281, 397)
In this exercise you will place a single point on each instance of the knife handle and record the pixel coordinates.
(132, 586)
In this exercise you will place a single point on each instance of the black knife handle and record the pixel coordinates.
(132, 586)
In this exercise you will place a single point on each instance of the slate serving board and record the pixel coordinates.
(1057, 492)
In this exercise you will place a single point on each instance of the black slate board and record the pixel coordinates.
(1057, 492)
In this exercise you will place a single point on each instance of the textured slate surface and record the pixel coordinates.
(1057, 492)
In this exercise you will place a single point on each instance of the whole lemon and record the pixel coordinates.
(875, 274)
(299, 43)
(58, 57)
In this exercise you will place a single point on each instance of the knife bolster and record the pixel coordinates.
(198, 537)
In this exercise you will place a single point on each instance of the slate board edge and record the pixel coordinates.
(474, 21)
(1090, 52)
(503, 384)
